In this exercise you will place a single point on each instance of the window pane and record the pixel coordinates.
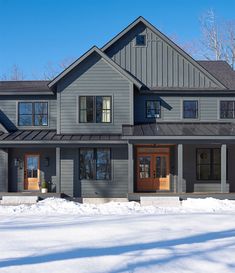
(103, 164)
(227, 109)
(144, 167)
(103, 109)
(25, 120)
(190, 109)
(86, 109)
(203, 156)
(141, 40)
(41, 120)
(87, 164)
(216, 156)
(153, 109)
(41, 108)
(25, 108)
(216, 172)
(203, 172)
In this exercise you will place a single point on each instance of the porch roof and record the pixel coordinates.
(51, 137)
(180, 131)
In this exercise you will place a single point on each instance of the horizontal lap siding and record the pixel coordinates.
(3, 170)
(8, 110)
(157, 63)
(100, 79)
(118, 187)
(172, 108)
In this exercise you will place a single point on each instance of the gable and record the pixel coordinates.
(160, 63)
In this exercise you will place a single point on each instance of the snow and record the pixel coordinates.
(56, 235)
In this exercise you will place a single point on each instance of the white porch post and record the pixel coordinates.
(180, 168)
(130, 168)
(223, 167)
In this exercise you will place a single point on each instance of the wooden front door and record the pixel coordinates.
(31, 172)
(153, 169)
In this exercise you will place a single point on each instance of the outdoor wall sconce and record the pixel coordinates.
(18, 163)
(46, 161)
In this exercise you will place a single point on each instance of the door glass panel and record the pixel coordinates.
(32, 166)
(144, 167)
(161, 167)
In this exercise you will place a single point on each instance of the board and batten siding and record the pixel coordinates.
(172, 108)
(9, 110)
(157, 63)
(73, 186)
(3, 170)
(97, 78)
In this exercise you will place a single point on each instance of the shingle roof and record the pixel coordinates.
(222, 71)
(24, 86)
(180, 129)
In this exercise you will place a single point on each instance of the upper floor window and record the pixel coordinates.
(140, 40)
(33, 113)
(227, 109)
(95, 164)
(95, 109)
(190, 109)
(153, 109)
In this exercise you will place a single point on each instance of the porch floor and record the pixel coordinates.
(182, 196)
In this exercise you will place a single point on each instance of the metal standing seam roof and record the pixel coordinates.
(179, 129)
(51, 136)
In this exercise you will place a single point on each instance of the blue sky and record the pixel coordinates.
(37, 32)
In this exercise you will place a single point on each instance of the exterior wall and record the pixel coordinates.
(3, 170)
(157, 63)
(189, 170)
(16, 174)
(72, 186)
(172, 108)
(95, 77)
(9, 111)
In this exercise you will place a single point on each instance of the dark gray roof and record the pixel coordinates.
(26, 87)
(222, 71)
(52, 137)
(180, 129)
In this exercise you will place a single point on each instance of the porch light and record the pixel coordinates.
(16, 162)
(46, 161)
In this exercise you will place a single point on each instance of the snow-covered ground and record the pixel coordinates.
(61, 236)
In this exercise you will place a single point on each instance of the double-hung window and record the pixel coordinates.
(33, 113)
(227, 109)
(95, 109)
(95, 164)
(190, 109)
(208, 164)
(153, 109)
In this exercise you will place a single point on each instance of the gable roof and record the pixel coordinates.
(222, 71)
(105, 57)
(24, 88)
(170, 43)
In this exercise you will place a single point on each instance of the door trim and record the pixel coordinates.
(38, 171)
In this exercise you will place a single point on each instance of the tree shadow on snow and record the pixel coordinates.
(78, 253)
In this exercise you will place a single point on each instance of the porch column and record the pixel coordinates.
(130, 168)
(180, 168)
(58, 182)
(223, 167)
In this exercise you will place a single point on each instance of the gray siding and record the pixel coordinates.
(95, 77)
(157, 63)
(172, 108)
(8, 110)
(16, 174)
(3, 170)
(72, 186)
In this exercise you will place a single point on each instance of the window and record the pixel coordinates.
(140, 40)
(33, 114)
(227, 109)
(190, 109)
(208, 164)
(153, 109)
(95, 164)
(95, 109)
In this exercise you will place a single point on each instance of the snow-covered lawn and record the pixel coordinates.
(61, 236)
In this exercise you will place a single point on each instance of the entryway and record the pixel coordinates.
(31, 172)
(152, 169)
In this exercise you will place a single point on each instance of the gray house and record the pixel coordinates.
(137, 117)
